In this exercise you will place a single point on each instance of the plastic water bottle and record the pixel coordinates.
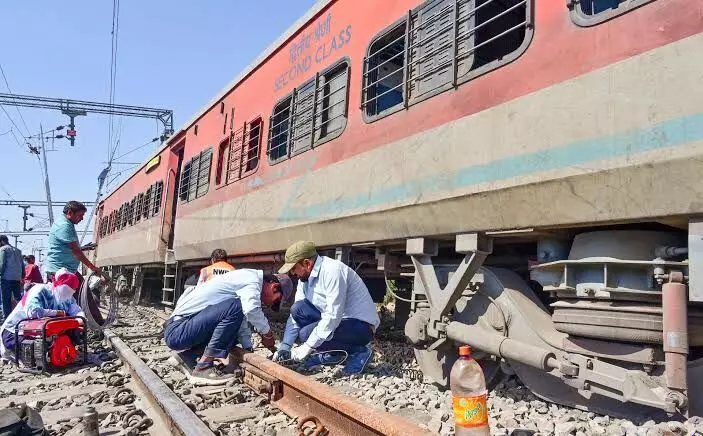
(469, 395)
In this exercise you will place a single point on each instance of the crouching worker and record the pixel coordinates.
(210, 315)
(333, 310)
(41, 301)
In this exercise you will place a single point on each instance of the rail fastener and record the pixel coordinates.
(308, 400)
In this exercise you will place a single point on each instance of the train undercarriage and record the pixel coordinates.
(600, 319)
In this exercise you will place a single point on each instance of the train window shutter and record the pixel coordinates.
(234, 161)
(592, 12)
(193, 179)
(303, 110)
(431, 49)
(331, 102)
(203, 180)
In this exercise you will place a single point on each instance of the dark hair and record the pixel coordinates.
(74, 206)
(270, 278)
(30, 258)
(219, 255)
(4, 240)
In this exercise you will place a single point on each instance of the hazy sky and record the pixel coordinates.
(170, 54)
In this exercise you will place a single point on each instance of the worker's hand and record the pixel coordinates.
(281, 355)
(60, 313)
(268, 340)
(300, 353)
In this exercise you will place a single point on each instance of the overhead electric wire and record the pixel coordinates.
(135, 149)
(16, 108)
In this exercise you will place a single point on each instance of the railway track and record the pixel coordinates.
(135, 390)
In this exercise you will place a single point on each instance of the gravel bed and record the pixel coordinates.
(513, 410)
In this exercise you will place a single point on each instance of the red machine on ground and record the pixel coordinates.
(50, 343)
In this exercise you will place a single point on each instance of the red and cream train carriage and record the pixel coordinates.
(546, 154)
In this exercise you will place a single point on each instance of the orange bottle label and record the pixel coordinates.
(470, 412)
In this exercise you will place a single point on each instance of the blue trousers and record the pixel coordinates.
(9, 289)
(214, 327)
(351, 334)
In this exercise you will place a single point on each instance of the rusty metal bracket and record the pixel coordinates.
(261, 383)
(319, 428)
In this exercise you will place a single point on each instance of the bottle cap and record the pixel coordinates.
(465, 350)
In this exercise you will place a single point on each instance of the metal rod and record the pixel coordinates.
(46, 178)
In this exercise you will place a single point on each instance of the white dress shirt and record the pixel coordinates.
(338, 293)
(245, 284)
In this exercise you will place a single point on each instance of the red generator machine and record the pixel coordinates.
(50, 343)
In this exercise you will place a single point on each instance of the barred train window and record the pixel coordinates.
(239, 155)
(592, 12)
(146, 211)
(157, 192)
(195, 176)
(439, 45)
(316, 112)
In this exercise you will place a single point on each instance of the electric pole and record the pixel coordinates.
(24, 217)
(46, 177)
(17, 237)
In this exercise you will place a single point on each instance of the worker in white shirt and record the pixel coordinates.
(209, 315)
(333, 310)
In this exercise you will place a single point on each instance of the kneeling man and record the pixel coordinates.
(209, 315)
(333, 310)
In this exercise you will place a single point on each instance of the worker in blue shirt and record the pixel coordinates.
(333, 310)
(64, 251)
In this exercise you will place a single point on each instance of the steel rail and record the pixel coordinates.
(308, 400)
(179, 418)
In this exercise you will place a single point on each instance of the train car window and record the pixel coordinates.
(240, 155)
(139, 211)
(439, 46)
(147, 201)
(279, 128)
(314, 113)
(111, 223)
(253, 146)
(131, 208)
(384, 72)
(331, 102)
(195, 176)
(592, 12)
(222, 161)
(156, 197)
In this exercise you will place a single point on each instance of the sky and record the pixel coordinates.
(170, 54)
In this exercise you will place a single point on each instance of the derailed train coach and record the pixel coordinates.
(526, 172)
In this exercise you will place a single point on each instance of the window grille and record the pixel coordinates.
(195, 176)
(592, 12)
(314, 113)
(243, 151)
(120, 212)
(440, 45)
(111, 223)
(157, 192)
(138, 211)
(146, 205)
(131, 210)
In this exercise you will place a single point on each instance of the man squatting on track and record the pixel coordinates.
(209, 315)
(333, 310)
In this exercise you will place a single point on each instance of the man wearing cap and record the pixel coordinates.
(333, 310)
(209, 315)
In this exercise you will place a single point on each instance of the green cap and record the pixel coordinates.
(296, 252)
